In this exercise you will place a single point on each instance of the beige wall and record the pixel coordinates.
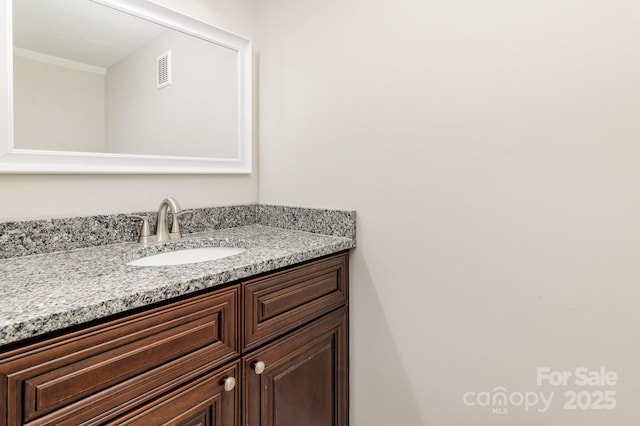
(57, 107)
(202, 98)
(491, 151)
(38, 196)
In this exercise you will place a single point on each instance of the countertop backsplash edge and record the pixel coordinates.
(24, 238)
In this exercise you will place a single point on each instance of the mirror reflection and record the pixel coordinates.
(91, 78)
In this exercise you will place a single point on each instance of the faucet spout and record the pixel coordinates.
(162, 225)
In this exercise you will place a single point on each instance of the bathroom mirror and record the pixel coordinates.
(121, 86)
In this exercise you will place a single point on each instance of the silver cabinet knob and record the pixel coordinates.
(258, 367)
(229, 384)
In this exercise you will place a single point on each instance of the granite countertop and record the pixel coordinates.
(46, 292)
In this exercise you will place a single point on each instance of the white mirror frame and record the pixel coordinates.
(40, 161)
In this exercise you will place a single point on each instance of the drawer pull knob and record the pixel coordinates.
(258, 367)
(229, 384)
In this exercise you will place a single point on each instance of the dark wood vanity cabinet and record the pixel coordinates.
(268, 351)
(301, 377)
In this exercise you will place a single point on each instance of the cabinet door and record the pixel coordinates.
(300, 379)
(211, 400)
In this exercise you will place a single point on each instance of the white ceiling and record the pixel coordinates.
(80, 30)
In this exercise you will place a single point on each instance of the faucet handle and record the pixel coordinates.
(175, 225)
(145, 232)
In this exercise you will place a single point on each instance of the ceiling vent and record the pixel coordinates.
(164, 70)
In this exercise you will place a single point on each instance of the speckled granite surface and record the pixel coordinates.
(47, 292)
(341, 223)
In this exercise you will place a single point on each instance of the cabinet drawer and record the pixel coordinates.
(102, 369)
(203, 402)
(278, 303)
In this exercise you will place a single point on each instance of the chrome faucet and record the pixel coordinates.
(162, 224)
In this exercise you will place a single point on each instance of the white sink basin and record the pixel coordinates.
(183, 257)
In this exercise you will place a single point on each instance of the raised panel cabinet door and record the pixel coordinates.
(300, 379)
(211, 400)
